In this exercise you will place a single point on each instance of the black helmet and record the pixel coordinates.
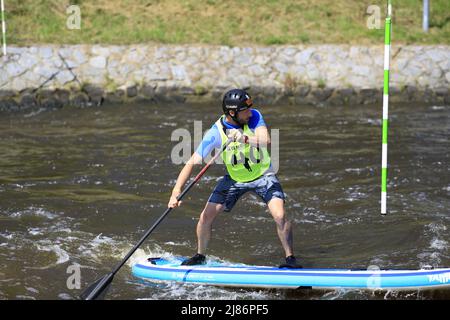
(236, 100)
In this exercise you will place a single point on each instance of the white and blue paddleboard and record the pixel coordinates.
(220, 274)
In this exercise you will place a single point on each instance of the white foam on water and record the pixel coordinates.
(171, 243)
(175, 290)
(33, 290)
(32, 211)
(35, 231)
(65, 296)
(23, 297)
(102, 247)
(144, 253)
(334, 295)
(312, 217)
(346, 221)
(157, 251)
(35, 113)
(8, 236)
(355, 194)
(436, 227)
(357, 170)
(212, 260)
(71, 239)
(381, 261)
(255, 201)
(168, 124)
(252, 218)
(396, 295)
(61, 254)
(438, 244)
(99, 239)
(207, 178)
(375, 122)
(186, 291)
(304, 221)
(138, 256)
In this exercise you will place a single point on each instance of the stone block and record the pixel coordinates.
(80, 100)
(148, 91)
(28, 101)
(9, 105)
(98, 62)
(93, 90)
(117, 96)
(51, 103)
(301, 90)
(321, 94)
(132, 91)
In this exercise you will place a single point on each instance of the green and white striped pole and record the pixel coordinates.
(387, 52)
(3, 28)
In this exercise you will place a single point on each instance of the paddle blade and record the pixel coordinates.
(98, 289)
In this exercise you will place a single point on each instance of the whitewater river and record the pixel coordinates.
(79, 187)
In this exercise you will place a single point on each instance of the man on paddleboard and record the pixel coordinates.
(249, 169)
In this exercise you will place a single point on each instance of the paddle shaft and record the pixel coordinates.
(161, 218)
(98, 288)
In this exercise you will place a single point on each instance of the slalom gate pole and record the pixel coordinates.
(387, 51)
(3, 27)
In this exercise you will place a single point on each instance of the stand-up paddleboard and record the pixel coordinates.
(220, 274)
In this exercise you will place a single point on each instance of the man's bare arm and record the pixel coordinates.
(182, 178)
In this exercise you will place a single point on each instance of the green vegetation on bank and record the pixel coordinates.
(226, 22)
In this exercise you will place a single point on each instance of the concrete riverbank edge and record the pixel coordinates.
(91, 75)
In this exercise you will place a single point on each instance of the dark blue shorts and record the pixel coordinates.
(228, 191)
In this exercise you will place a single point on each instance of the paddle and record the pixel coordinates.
(99, 287)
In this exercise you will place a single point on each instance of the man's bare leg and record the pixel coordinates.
(204, 225)
(284, 229)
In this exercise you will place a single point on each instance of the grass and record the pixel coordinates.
(232, 22)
